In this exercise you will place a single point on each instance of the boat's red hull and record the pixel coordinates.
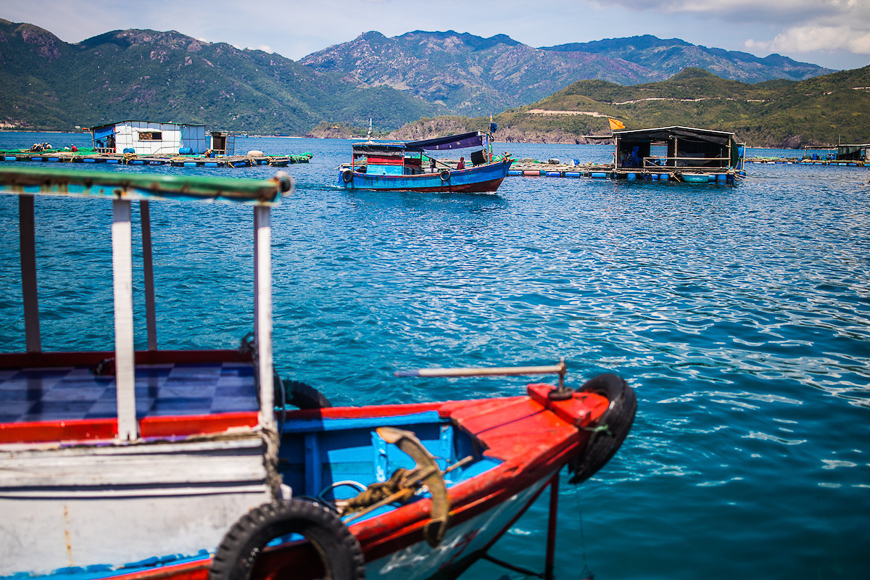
(533, 438)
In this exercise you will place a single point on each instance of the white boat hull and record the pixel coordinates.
(84, 506)
(420, 561)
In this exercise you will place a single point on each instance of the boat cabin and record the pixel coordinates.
(408, 158)
(386, 159)
(149, 138)
(677, 147)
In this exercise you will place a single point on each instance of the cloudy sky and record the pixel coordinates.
(831, 33)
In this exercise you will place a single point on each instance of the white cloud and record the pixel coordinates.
(795, 26)
(816, 38)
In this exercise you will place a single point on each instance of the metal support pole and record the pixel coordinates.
(27, 248)
(551, 527)
(148, 265)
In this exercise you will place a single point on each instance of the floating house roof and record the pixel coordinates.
(665, 133)
(144, 121)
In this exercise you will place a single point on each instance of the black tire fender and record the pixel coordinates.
(347, 175)
(337, 547)
(445, 175)
(614, 425)
(305, 396)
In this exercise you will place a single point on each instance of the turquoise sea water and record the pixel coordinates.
(740, 314)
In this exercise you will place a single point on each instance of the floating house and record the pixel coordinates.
(149, 138)
(678, 148)
(842, 154)
(682, 153)
(852, 151)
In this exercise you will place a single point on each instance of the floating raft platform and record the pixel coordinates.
(608, 171)
(160, 160)
(798, 161)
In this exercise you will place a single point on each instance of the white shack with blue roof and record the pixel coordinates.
(150, 138)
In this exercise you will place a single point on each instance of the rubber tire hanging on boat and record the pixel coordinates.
(617, 419)
(337, 547)
(445, 175)
(347, 175)
(305, 396)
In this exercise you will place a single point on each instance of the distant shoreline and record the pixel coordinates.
(537, 140)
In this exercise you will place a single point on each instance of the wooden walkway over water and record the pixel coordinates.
(799, 161)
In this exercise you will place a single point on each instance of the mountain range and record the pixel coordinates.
(471, 75)
(167, 76)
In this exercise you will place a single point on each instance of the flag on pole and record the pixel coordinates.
(616, 125)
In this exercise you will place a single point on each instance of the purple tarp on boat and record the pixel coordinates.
(461, 141)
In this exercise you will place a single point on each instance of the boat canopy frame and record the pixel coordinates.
(123, 189)
(407, 149)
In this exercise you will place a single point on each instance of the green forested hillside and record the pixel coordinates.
(818, 111)
(166, 76)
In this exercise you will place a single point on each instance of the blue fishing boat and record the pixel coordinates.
(406, 167)
(124, 464)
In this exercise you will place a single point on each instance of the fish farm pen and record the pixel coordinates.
(609, 171)
(53, 156)
(681, 154)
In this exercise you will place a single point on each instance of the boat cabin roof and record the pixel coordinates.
(164, 123)
(131, 186)
(458, 141)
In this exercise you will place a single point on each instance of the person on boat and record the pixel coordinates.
(461, 164)
(431, 165)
